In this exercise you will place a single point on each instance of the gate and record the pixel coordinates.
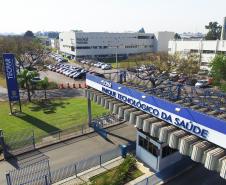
(34, 174)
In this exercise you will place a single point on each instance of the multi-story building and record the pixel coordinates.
(205, 49)
(106, 45)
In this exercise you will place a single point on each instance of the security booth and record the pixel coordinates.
(154, 153)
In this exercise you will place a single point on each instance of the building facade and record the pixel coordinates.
(106, 45)
(206, 50)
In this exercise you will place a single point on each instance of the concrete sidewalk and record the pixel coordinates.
(84, 177)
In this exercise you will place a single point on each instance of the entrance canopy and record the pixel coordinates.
(184, 126)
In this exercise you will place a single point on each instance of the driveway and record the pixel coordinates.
(68, 152)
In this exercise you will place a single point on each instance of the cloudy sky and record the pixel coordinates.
(109, 15)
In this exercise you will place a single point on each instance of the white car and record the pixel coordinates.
(105, 67)
(202, 83)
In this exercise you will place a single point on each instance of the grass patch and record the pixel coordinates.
(48, 117)
(129, 63)
(119, 175)
(2, 81)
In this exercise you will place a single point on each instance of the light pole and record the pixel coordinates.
(116, 58)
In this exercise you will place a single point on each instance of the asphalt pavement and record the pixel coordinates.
(74, 150)
(198, 175)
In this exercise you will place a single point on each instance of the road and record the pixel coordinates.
(198, 175)
(74, 150)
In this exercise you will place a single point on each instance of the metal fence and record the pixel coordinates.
(28, 140)
(40, 174)
(34, 174)
(81, 166)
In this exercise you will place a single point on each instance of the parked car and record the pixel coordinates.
(202, 84)
(106, 67)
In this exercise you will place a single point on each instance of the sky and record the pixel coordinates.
(109, 15)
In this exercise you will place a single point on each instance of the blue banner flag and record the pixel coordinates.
(11, 80)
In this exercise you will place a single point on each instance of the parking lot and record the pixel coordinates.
(73, 74)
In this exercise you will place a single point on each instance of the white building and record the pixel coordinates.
(106, 45)
(206, 49)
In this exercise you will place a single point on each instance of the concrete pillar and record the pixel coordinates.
(212, 158)
(185, 144)
(106, 103)
(155, 127)
(133, 115)
(175, 137)
(198, 150)
(165, 131)
(140, 119)
(103, 99)
(111, 105)
(127, 113)
(98, 99)
(223, 167)
(116, 107)
(121, 111)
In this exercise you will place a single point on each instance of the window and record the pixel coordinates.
(72, 48)
(194, 51)
(208, 51)
(167, 151)
(83, 47)
(143, 37)
(147, 145)
(141, 141)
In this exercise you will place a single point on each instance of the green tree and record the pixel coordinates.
(44, 85)
(29, 34)
(218, 70)
(214, 31)
(177, 36)
(188, 65)
(25, 80)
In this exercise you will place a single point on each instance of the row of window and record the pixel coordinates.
(151, 148)
(106, 47)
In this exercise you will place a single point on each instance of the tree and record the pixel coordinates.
(218, 70)
(214, 31)
(44, 84)
(188, 65)
(25, 80)
(141, 30)
(29, 34)
(177, 36)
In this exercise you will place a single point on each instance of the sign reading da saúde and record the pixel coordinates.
(11, 80)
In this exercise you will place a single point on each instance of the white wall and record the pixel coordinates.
(67, 40)
(162, 39)
(202, 46)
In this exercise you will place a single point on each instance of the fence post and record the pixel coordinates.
(46, 180)
(2, 143)
(100, 160)
(76, 173)
(147, 181)
(59, 134)
(33, 138)
(50, 179)
(8, 179)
